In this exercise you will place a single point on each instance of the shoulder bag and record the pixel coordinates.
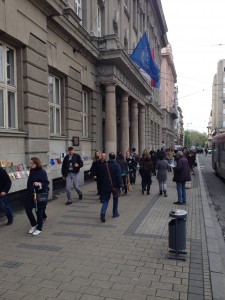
(115, 191)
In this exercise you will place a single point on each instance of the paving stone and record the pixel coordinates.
(167, 294)
(65, 295)
(13, 295)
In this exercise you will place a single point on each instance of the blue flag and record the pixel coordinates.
(142, 56)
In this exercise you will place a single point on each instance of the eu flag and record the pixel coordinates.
(142, 56)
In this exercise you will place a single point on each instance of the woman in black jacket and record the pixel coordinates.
(146, 168)
(37, 183)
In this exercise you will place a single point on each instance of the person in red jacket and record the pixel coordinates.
(5, 185)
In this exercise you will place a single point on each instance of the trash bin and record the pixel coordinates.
(177, 231)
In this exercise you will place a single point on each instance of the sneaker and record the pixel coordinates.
(178, 203)
(32, 229)
(36, 232)
(165, 194)
(68, 203)
(116, 216)
(80, 197)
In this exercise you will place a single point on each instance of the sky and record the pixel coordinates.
(196, 32)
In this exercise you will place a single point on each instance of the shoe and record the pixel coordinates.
(143, 192)
(9, 222)
(68, 203)
(32, 229)
(102, 218)
(165, 194)
(178, 203)
(160, 193)
(184, 203)
(44, 220)
(80, 197)
(148, 193)
(36, 232)
(116, 216)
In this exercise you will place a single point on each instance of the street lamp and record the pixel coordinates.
(188, 124)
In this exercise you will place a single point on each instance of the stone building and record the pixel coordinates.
(66, 79)
(168, 98)
(218, 99)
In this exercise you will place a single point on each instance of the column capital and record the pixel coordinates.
(110, 87)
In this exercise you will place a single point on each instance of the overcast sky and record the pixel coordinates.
(195, 30)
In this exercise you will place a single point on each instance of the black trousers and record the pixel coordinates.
(40, 211)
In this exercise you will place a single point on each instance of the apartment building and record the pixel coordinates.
(66, 79)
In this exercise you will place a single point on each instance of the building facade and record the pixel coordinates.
(218, 99)
(168, 98)
(66, 79)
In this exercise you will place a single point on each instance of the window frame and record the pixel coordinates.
(85, 113)
(99, 21)
(55, 105)
(8, 88)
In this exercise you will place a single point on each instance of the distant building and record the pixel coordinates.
(168, 98)
(218, 99)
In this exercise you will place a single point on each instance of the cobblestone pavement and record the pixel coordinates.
(78, 257)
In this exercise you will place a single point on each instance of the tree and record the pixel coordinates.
(195, 138)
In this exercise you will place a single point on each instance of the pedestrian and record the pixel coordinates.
(124, 170)
(111, 184)
(5, 185)
(71, 173)
(37, 184)
(99, 167)
(181, 175)
(94, 170)
(146, 168)
(162, 167)
(131, 167)
(135, 156)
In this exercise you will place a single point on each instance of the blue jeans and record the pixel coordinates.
(106, 198)
(181, 192)
(6, 208)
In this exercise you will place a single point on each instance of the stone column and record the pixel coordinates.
(124, 124)
(134, 125)
(141, 128)
(110, 119)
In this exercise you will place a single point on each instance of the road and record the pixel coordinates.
(215, 187)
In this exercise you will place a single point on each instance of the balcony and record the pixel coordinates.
(173, 112)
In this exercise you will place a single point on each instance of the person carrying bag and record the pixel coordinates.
(111, 184)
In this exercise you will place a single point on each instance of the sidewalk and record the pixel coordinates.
(78, 257)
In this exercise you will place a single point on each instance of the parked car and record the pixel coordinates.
(209, 150)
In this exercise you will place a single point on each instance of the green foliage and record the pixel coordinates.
(195, 138)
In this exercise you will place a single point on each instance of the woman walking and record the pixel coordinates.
(146, 168)
(162, 167)
(37, 184)
(124, 170)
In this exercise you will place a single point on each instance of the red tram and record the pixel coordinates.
(218, 154)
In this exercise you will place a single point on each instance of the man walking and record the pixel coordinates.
(181, 175)
(5, 185)
(111, 180)
(71, 172)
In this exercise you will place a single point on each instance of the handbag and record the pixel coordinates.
(188, 184)
(129, 186)
(115, 191)
(41, 197)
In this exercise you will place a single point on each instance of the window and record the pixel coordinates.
(76, 5)
(126, 4)
(99, 16)
(78, 8)
(54, 100)
(85, 114)
(8, 97)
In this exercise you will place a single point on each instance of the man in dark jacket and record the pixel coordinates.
(5, 185)
(70, 172)
(181, 175)
(111, 178)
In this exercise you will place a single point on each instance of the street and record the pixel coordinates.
(215, 187)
